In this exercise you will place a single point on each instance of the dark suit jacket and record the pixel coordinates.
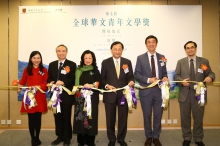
(109, 76)
(143, 71)
(68, 79)
(182, 72)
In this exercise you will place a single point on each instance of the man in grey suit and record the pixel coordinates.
(114, 75)
(149, 68)
(189, 68)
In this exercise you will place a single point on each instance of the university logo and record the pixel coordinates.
(24, 10)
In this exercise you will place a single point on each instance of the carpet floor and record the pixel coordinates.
(133, 138)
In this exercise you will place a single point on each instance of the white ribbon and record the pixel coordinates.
(202, 96)
(87, 104)
(128, 96)
(164, 86)
(54, 97)
(200, 91)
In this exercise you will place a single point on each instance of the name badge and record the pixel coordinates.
(162, 63)
(126, 70)
(200, 70)
(63, 71)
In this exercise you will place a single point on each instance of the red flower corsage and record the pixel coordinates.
(67, 69)
(163, 59)
(203, 67)
(124, 66)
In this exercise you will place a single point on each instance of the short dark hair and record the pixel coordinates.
(93, 59)
(62, 46)
(30, 63)
(190, 42)
(151, 37)
(115, 43)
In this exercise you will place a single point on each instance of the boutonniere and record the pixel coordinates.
(67, 69)
(41, 72)
(124, 66)
(203, 67)
(163, 59)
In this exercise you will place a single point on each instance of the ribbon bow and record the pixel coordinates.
(200, 93)
(129, 95)
(86, 94)
(29, 97)
(54, 103)
(164, 86)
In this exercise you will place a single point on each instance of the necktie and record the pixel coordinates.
(117, 68)
(60, 67)
(192, 72)
(153, 66)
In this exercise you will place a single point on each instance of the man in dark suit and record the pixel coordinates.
(59, 74)
(116, 72)
(189, 68)
(149, 68)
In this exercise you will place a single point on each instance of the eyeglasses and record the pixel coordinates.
(192, 47)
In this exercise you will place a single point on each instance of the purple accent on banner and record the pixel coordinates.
(160, 83)
(57, 88)
(122, 100)
(198, 97)
(27, 100)
(85, 89)
(58, 97)
(133, 96)
(58, 101)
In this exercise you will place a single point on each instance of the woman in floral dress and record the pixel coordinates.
(86, 125)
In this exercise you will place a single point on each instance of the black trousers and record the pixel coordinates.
(34, 124)
(63, 122)
(110, 109)
(86, 139)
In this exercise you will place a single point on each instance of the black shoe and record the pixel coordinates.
(186, 143)
(33, 142)
(111, 143)
(200, 143)
(66, 143)
(148, 141)
(156, 142)
(38, 142)
(57, 141)
(122, 143)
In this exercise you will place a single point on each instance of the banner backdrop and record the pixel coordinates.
(94, 28)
